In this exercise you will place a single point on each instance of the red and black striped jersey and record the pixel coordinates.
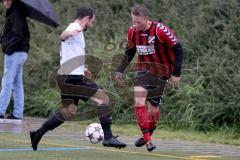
(154, 49)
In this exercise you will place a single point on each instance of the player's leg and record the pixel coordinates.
(105, 118)
(86, 89)
(144, 83)
(142, 116)
(154, 97)
(154, 114)
(153, 117)
(67, 112)
(140, 111)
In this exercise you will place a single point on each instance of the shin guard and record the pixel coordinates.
(154, 120)
(105, 118)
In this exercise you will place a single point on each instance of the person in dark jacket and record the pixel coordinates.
(15, 46)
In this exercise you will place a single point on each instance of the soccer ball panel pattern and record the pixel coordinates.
(94, 133)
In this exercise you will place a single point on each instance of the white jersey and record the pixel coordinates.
(72, 54)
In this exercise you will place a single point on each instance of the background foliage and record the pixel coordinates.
(209, 31)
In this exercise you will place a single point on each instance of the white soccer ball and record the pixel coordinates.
(94, 133)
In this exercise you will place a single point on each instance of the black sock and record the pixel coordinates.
(104, 115)
(107, 130)
(41, 131)
(50, 124)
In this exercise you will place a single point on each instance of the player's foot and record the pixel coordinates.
(113, 142)
(150, 146)
(140, 141)
(35, 139)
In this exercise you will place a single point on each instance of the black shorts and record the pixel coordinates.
(75, 87)
(153, 84)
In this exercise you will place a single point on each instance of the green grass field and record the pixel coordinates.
(17, 146)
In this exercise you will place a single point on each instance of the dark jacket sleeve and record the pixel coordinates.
(17, 20)
(178, 50)
(128, 57)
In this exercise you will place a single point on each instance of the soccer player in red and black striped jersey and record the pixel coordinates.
(160, 57)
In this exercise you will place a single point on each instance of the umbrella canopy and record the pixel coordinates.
(42, 11)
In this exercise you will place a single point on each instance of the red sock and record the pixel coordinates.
(153, 121)
(141, 115)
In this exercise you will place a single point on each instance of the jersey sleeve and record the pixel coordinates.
(130, 42)
(73, 27)
(166, 35)
(130, 52)
(131, 46)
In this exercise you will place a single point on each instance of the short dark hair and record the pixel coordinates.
(84, 12)
(140, 10)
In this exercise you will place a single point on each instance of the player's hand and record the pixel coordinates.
(87, 73)
(119, 78)
(175, 81)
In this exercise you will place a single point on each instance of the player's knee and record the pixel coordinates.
(155, 102)
(139, 103)
(104, 100)
(69, 112)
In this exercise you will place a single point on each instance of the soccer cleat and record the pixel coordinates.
(141, 142)
(35, 139)
(113, 142)
(150, 146)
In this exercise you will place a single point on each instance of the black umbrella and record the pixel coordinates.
(42, 11)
